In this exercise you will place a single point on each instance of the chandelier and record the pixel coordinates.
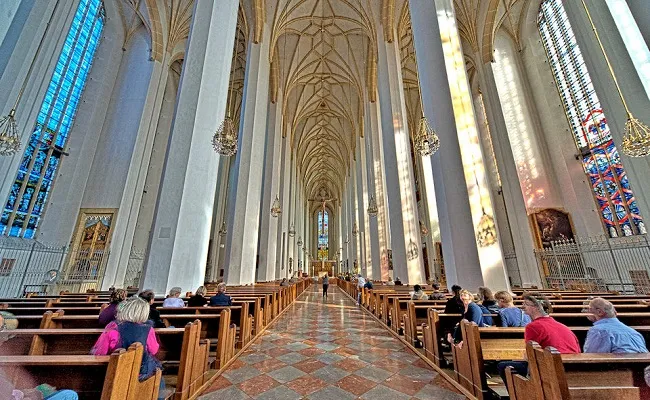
(426, 139)
(224, 230)
(424, 231)
(372, 206)
(299, 242)
(355, 229)
(636, 136)
(224, 140)
(292, 230)
(412, 252)
(486, 234)
(275, 208)
(9, 139)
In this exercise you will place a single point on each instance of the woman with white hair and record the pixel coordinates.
(174, 300)
(130, 327)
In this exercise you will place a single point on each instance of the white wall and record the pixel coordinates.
(110, 165)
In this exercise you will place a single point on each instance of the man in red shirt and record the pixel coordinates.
(544, 330)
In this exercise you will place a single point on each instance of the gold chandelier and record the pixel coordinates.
(372, 206)
(427, 141)
(636, 136)
(355, 229)
(9, 139)
(424, 231)
(487, 231)
(412, 251)
(292, 230)
(275, 207)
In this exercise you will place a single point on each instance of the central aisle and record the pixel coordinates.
(328, 350)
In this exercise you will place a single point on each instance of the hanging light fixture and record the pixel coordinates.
(372, 206)
(355, 229)
(292, 230)
(224, 140)
(426, 141)
(487, 231)
(299, 242)
(224, 230)
(412, 252)
(636, 136)
(9, 139)
(424, 231)
(275, 207)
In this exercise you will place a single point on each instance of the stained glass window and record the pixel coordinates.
(599, 155)
(34, 180)
(323, 236)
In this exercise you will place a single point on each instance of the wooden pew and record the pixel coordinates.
(113, 377)
(579, 376)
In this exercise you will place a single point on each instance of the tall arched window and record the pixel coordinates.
(323, 235)
(599, 155)
(37, 170)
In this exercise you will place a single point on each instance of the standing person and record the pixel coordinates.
(198, 300)
(544, 330)
(130, 327)
(510, 315)
(360, 285)
(154, 315)
(109, 313)
(221, 298)
(174, 300)
(609, 335)
(326, 284)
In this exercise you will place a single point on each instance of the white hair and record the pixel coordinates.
(133, 309)
(604, 305)
(174, 291)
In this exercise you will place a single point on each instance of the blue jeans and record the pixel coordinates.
(520, 367)
(63, 395)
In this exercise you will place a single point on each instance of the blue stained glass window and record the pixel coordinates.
(42, 157)
(323, 236)
(600, 158)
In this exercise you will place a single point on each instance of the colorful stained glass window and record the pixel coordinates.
(600, 158)
(323, 236)
(27, 198)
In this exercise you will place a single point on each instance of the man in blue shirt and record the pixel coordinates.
(221, 298)
(609, 335)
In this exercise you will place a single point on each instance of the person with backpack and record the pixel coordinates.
(510, 315)
(473, 313)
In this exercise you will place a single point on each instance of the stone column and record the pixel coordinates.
(283, 219)
(181, 231)
(641, 13)
(249, 163)
(635, 95)
(455, 218)
(373, 226)
(400, 183)
(517, 219)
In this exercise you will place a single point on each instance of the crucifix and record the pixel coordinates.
(322, 225)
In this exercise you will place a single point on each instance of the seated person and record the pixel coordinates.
(221, 298)
(487, 299)
(472, 313)
(544, 330)
(398, 281)
(174, 300)
(131, 327)
(284, 282)
(154, 315)
(368, 284)
(198, 300)
(109, 313)
(510, 315)
(454, 305)
(609, 335)
(390, 282)
(437, 294)
(418, 293)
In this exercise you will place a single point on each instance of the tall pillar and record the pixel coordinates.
(454, 214)
(216, 258)
(517, 218)
(628, 79)
(400, 182)
(181, 232)
(373, 226)
(269, 224)
(641, 13)
(249, 164)
(283, 228)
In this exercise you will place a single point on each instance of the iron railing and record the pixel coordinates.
(28, 266)
(597, 263)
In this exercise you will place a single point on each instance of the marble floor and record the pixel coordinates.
(328, 349)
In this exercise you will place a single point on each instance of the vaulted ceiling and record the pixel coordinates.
(323, 57)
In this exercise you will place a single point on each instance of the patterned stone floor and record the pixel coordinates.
(330, 350)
